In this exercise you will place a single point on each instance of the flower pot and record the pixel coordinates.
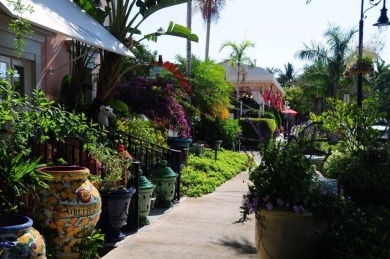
(69, 210)
(115, 210)
(179, 143)
(18, 239)
(285, 234)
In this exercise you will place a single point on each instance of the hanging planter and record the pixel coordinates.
(365, 66)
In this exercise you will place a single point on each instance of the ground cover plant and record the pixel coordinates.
(203, 174)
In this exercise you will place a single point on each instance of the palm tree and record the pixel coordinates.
(210, 10)
(285, 78)
(382, 85)
(316, 84)
(272, 70)
(188, 50)
(238, 58)
(334, 56)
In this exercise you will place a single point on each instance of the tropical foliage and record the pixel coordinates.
(287, 76)
(211, 93)
(158, 100)
(285, 180)
(330, 59)
(238, 58)
(124, 19)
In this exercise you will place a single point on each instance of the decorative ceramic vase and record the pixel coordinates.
(69, 210)
(115, 211)
(18, 239)
(285, 234)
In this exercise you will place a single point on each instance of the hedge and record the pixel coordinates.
(256, 131)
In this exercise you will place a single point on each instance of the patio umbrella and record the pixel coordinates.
(290, 111)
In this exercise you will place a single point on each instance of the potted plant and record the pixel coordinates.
(289, 204)
(116, 195)
(19, 179)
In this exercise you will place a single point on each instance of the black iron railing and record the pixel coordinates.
(147, 157)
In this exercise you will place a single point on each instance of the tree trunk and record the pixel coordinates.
(188, 53)
(207, 38)
(110, 69)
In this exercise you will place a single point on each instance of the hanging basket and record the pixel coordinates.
(364, 67)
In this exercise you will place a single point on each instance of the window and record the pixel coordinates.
(21, 78)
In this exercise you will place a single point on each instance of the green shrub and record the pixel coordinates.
(257, 131)
(359, 232)
(208, 129)
(358, 171)
(203, 174)
(142, 128)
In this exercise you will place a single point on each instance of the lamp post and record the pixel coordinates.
(382, 24)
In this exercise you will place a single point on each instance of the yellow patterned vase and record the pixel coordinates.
(69, 210)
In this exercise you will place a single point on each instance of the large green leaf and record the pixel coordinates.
(155, 7)
(89, 6)
(176, 30)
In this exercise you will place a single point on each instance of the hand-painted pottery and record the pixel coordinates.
(18, 239)
(69, 210)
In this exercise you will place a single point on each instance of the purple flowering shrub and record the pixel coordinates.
(285, 180)
(156, 99)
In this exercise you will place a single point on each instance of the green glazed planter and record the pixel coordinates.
(165, 180)
(145, 199)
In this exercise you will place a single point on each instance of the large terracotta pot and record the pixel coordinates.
(284, 234)
(18, 239)
(69, 210)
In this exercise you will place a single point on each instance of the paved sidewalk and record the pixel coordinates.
(195, 228)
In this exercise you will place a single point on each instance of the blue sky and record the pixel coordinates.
(279, 28)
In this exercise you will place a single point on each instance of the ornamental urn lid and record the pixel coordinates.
(164, 170)
(144, 183)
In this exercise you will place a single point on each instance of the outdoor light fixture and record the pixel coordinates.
(383, 20)
(382, 24)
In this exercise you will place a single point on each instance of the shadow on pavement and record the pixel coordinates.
(241, 245)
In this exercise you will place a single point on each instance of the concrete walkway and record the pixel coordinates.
(195, 228)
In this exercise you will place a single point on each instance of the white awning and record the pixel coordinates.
(66, 18)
